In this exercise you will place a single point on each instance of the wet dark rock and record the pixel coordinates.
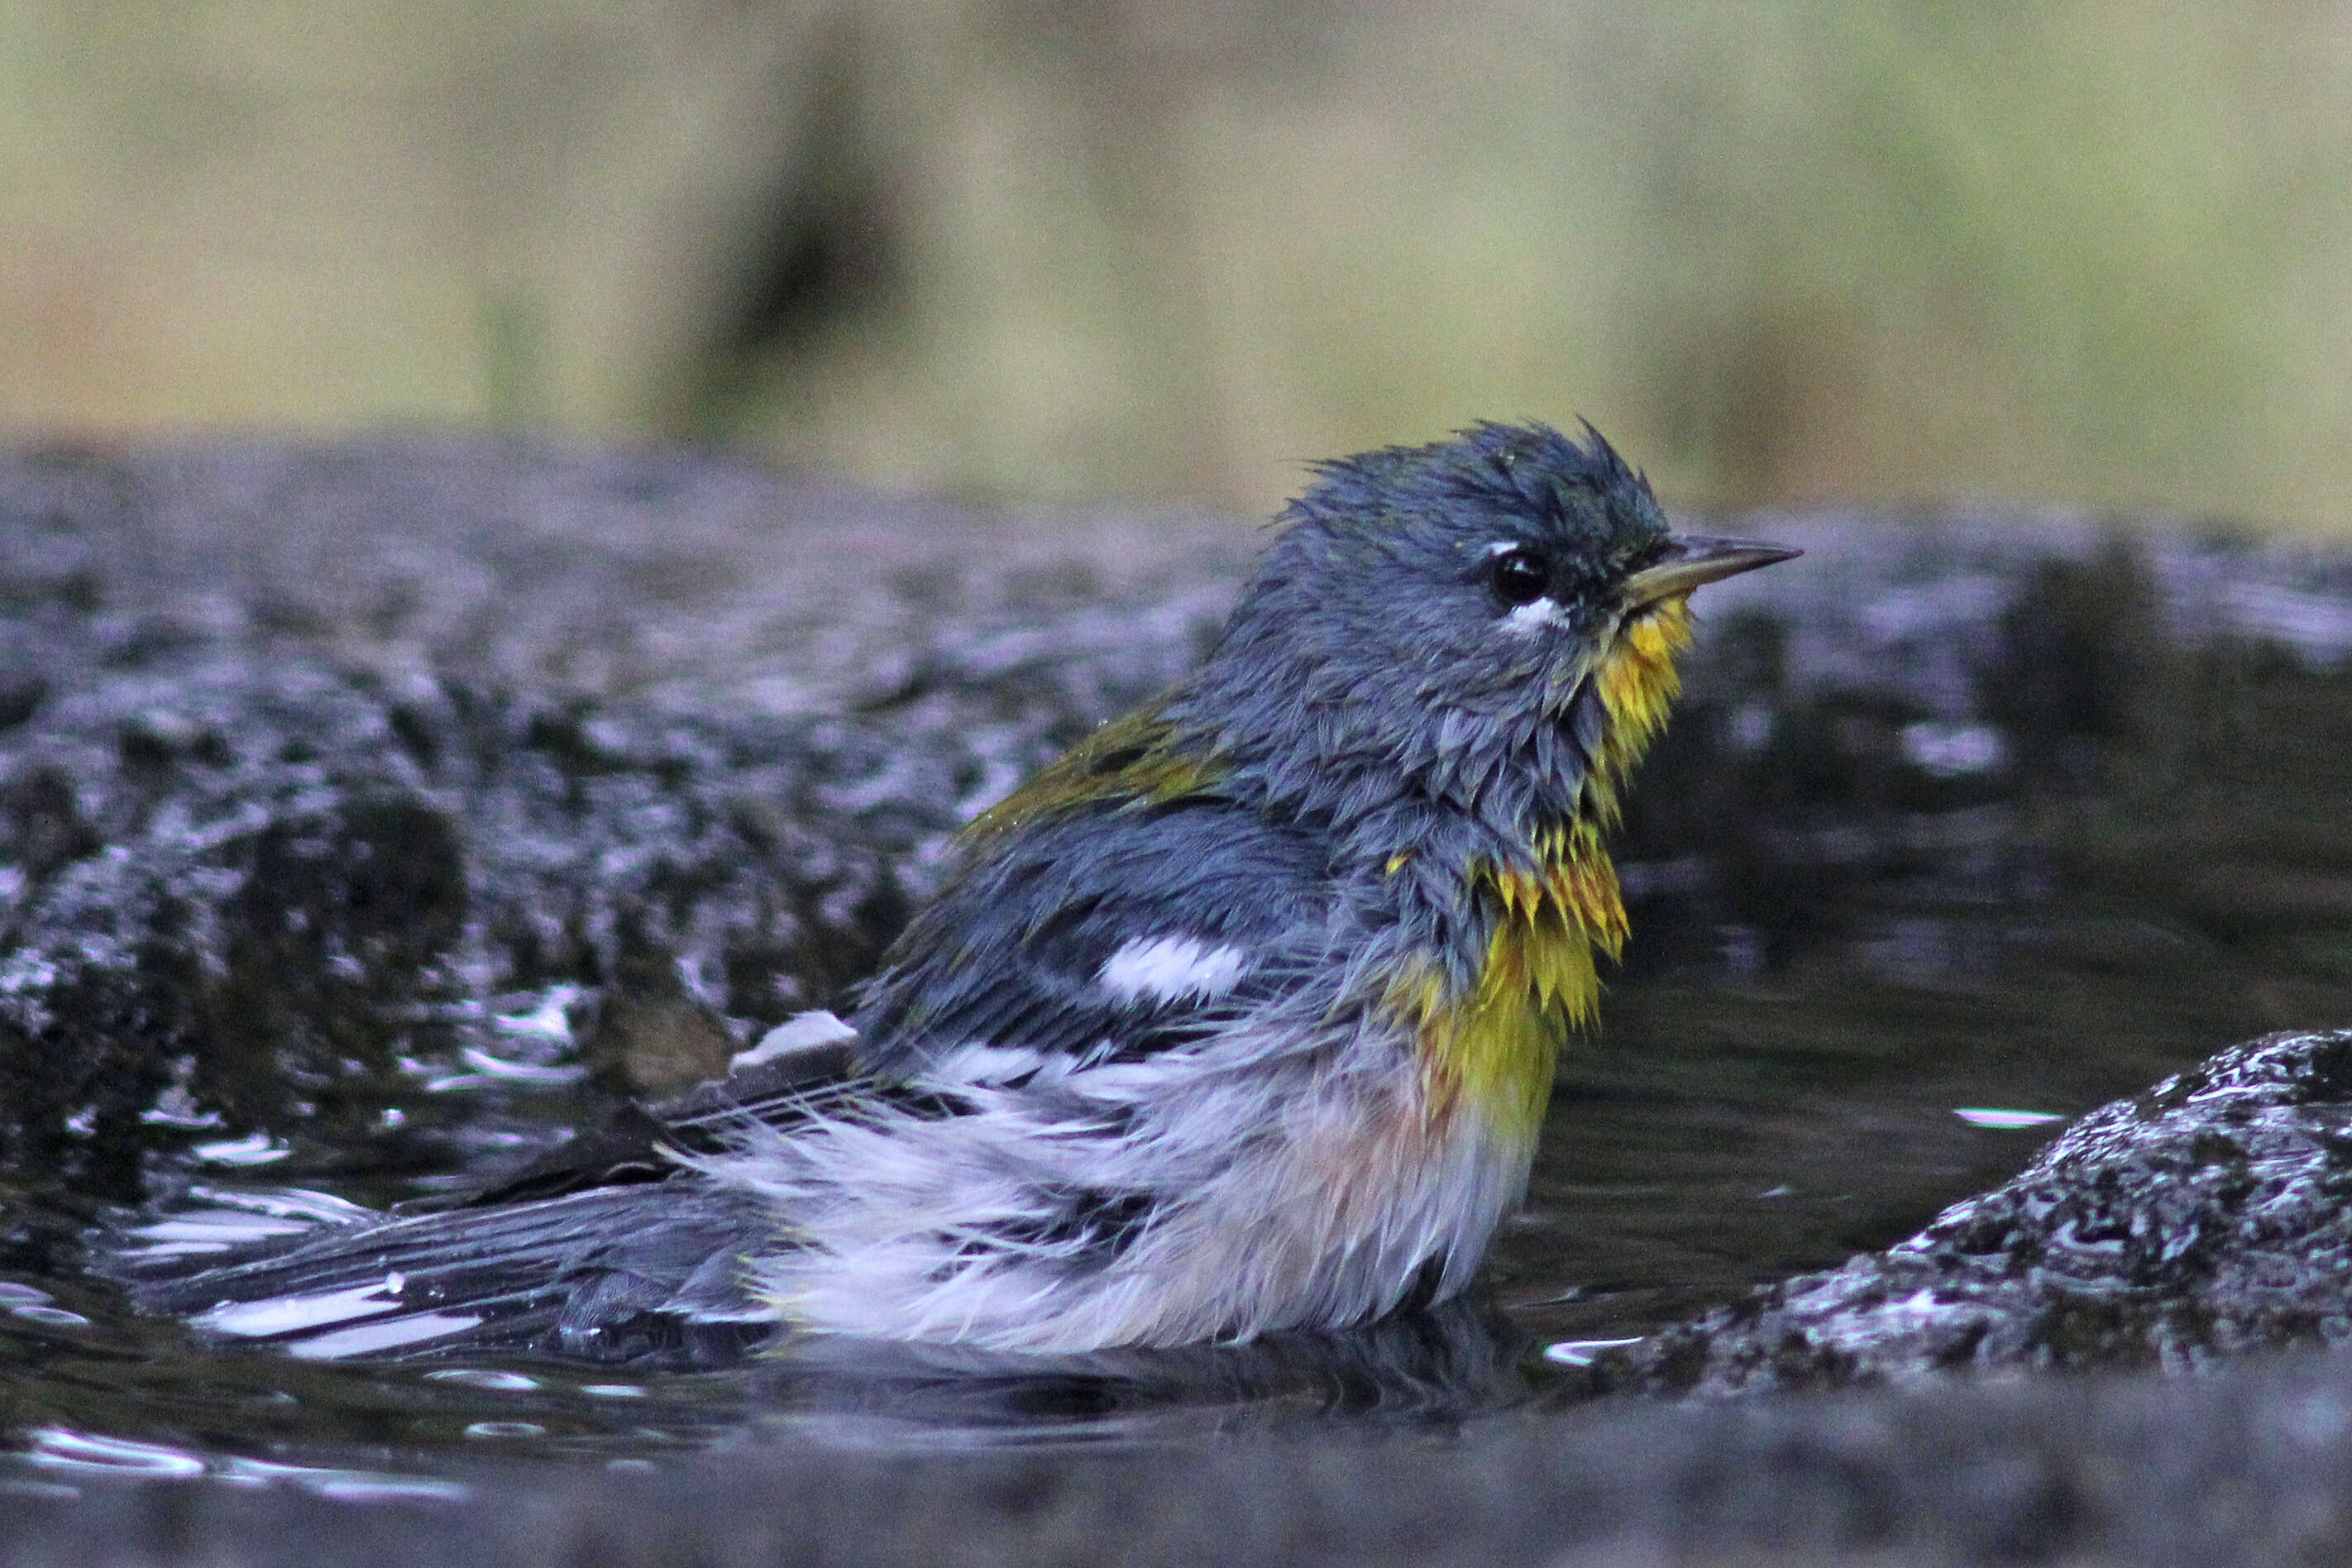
(2206, 1217)
(319, 768)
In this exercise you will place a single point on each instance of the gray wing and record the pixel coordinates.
(1109, 934)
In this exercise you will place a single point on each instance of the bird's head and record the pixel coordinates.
(1489, 620)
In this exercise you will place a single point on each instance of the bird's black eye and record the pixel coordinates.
(1517, 577)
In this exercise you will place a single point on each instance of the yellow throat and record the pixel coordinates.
(1492, 1047)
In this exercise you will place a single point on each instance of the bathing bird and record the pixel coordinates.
(1240, 1017)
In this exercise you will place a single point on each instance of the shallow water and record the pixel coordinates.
(1954, 838)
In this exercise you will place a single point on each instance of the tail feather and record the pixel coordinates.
(614, 1273)
(607, 1246)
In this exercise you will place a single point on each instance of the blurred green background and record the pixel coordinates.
(1795, 249)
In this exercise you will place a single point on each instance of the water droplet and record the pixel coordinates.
(506, 1429)
(253, 1149)
(2005, 1121)
(56, 1317)
(1583, 1352)
(484, 1377)
(57, 1448)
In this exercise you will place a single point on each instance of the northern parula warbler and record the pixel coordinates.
(1241, 1017)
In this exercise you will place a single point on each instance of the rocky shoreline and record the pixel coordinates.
(2179, 1229)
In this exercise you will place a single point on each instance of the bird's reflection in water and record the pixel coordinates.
(1417, 1371)
(127, 1380)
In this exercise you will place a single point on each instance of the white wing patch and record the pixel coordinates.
(1170, 968)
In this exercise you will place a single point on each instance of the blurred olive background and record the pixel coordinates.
(1791, 249)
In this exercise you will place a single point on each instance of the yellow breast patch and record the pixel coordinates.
(1494, 1049)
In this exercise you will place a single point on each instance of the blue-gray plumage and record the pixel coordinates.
(1239, 1017)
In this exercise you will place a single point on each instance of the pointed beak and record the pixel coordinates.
(1694, 561)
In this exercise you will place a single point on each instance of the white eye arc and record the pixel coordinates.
(1533, 616)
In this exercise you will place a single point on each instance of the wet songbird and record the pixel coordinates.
(1241, 1016)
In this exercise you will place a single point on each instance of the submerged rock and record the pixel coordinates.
(2209, 1216)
